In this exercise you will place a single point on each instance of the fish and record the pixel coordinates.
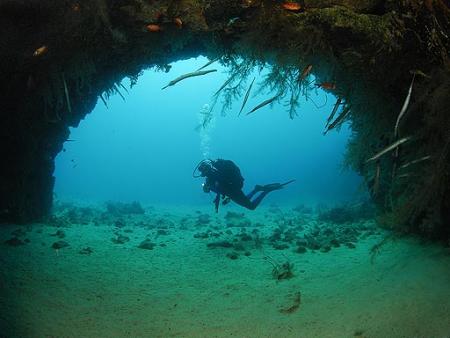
(118, 91)
(226, 83)
(333, 112)
(124, 88)
(40, 51)
(246, 96)
(339, 119)
(66, 93)
(154, 28)
(404, 107)
(326, 85)
(210, 62)
(264, 103)
(104, 101)
(233, 20)
(389, 148)
(188, 75)
(406, 165)
(306, 71)
(291, 6)
(178, 22)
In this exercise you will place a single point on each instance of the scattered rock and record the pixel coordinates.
(59, 234)
(219, 244)
(18, 232)
(300, 250)
(325, 248)
(59, 245)
(120, 239)
(202, 235)
(246, 237)
(278, 246)
(86, 251)
(350, 245)
(147, 244)
(14, 241)
(233, 255)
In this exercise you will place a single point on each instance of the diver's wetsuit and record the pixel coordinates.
(229, 186)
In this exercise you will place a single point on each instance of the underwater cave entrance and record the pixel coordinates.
(143, 146)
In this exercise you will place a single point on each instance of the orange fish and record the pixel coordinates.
(154, 28)
(76, 7)
(327, 85)
(306, 71)
(292, 6)
(178, 22)
(40, 51)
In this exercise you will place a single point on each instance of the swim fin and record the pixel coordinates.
(275, 186)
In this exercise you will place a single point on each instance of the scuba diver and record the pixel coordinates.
(224, 178)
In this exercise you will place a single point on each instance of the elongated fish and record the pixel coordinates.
(246, 96)
(226, 83)
(264, 103)
(406, 165)
(335, 108)
(389, 148)
(118, 92)
(404, 108)
(188, 75)
(338, 120)
(208, 64)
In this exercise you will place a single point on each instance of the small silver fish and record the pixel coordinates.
(188, 75)
(264, 103)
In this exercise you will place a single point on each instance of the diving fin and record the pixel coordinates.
(275, 186)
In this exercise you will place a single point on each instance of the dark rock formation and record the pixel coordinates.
(58, 58)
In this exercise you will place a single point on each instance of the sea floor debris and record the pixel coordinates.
(179, 273)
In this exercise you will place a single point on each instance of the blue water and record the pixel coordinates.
(146, 147)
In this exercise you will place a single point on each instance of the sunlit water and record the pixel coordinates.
(146, 147)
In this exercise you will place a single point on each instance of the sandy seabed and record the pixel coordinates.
(185, 289)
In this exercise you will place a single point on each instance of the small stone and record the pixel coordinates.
(59, 245)
(277, 246)
(120, 239)
(233, 255)
(59, 234)
(86, 251)
(220, 244)
(350, 245)
(300, 250)
(18, 232)
(247, 253)
(246, 238)
(147, 244)
(325, 248)
(14, 241)
(334, 242)
(239, 247)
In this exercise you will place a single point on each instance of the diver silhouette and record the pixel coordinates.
(224, 178)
